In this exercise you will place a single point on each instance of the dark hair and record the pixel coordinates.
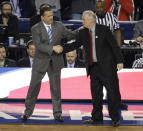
(2, 45)
(5, 3)
(45, 5)
(44, 9)
(30, 42)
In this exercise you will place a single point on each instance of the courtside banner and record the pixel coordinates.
(75, 84)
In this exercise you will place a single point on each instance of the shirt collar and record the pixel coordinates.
(93, 28)
(46, 24)
(2, 63)
(31, 60)
(71, 65)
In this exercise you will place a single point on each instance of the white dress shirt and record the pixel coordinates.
(70, 65)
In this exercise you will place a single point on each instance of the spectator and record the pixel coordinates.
(5, 62)
(55, 4)
(9, 20)
(28, 61)
(138, 31)
(23, 8)
(121, 8)
(72, 60)
(138, 15)
(78, 6)
(139, 62)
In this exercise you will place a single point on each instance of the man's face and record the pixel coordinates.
(71, 57)
(100, 8)
(6, 10)
(85, 21)
(31, 50)
(2, 54)
(47, 17)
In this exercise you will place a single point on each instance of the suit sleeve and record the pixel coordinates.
(44, 48)
(114, 45)
(68, 34)
(74, 45)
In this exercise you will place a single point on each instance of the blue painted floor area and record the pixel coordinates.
(6, 69)
(73, 113)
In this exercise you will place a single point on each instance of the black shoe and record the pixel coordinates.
(90, 121)
(59, 118)
(116, 123)
(24, 117)
(124, 106)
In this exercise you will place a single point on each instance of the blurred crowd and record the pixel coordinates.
(72, 9)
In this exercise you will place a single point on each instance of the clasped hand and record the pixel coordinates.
(120, 66)
(58, 49)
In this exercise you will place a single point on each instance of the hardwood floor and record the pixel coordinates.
(16, 127)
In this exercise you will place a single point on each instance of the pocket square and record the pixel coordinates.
(96, 36)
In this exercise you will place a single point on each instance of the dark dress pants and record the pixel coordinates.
(99, 78)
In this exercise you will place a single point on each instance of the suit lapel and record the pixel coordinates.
(96, 34)
(53, 31)
(44, 31)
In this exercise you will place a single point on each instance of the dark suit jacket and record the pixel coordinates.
(24, 62)
(9, 63)
(27, 8)
(12, 28)
(107, 50)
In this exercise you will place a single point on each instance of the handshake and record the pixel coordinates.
(58, 49)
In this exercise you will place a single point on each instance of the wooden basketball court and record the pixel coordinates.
(6, 127)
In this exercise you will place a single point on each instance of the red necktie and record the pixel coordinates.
(90, 48)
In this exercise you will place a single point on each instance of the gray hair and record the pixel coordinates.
(91, 14)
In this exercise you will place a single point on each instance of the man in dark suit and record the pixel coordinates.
(102, 17)
(9, 20)
(72, 60)
(47, 36)
(5, 62)
(103, 58)
(28, 61)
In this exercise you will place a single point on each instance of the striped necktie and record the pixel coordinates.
(50, 34)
